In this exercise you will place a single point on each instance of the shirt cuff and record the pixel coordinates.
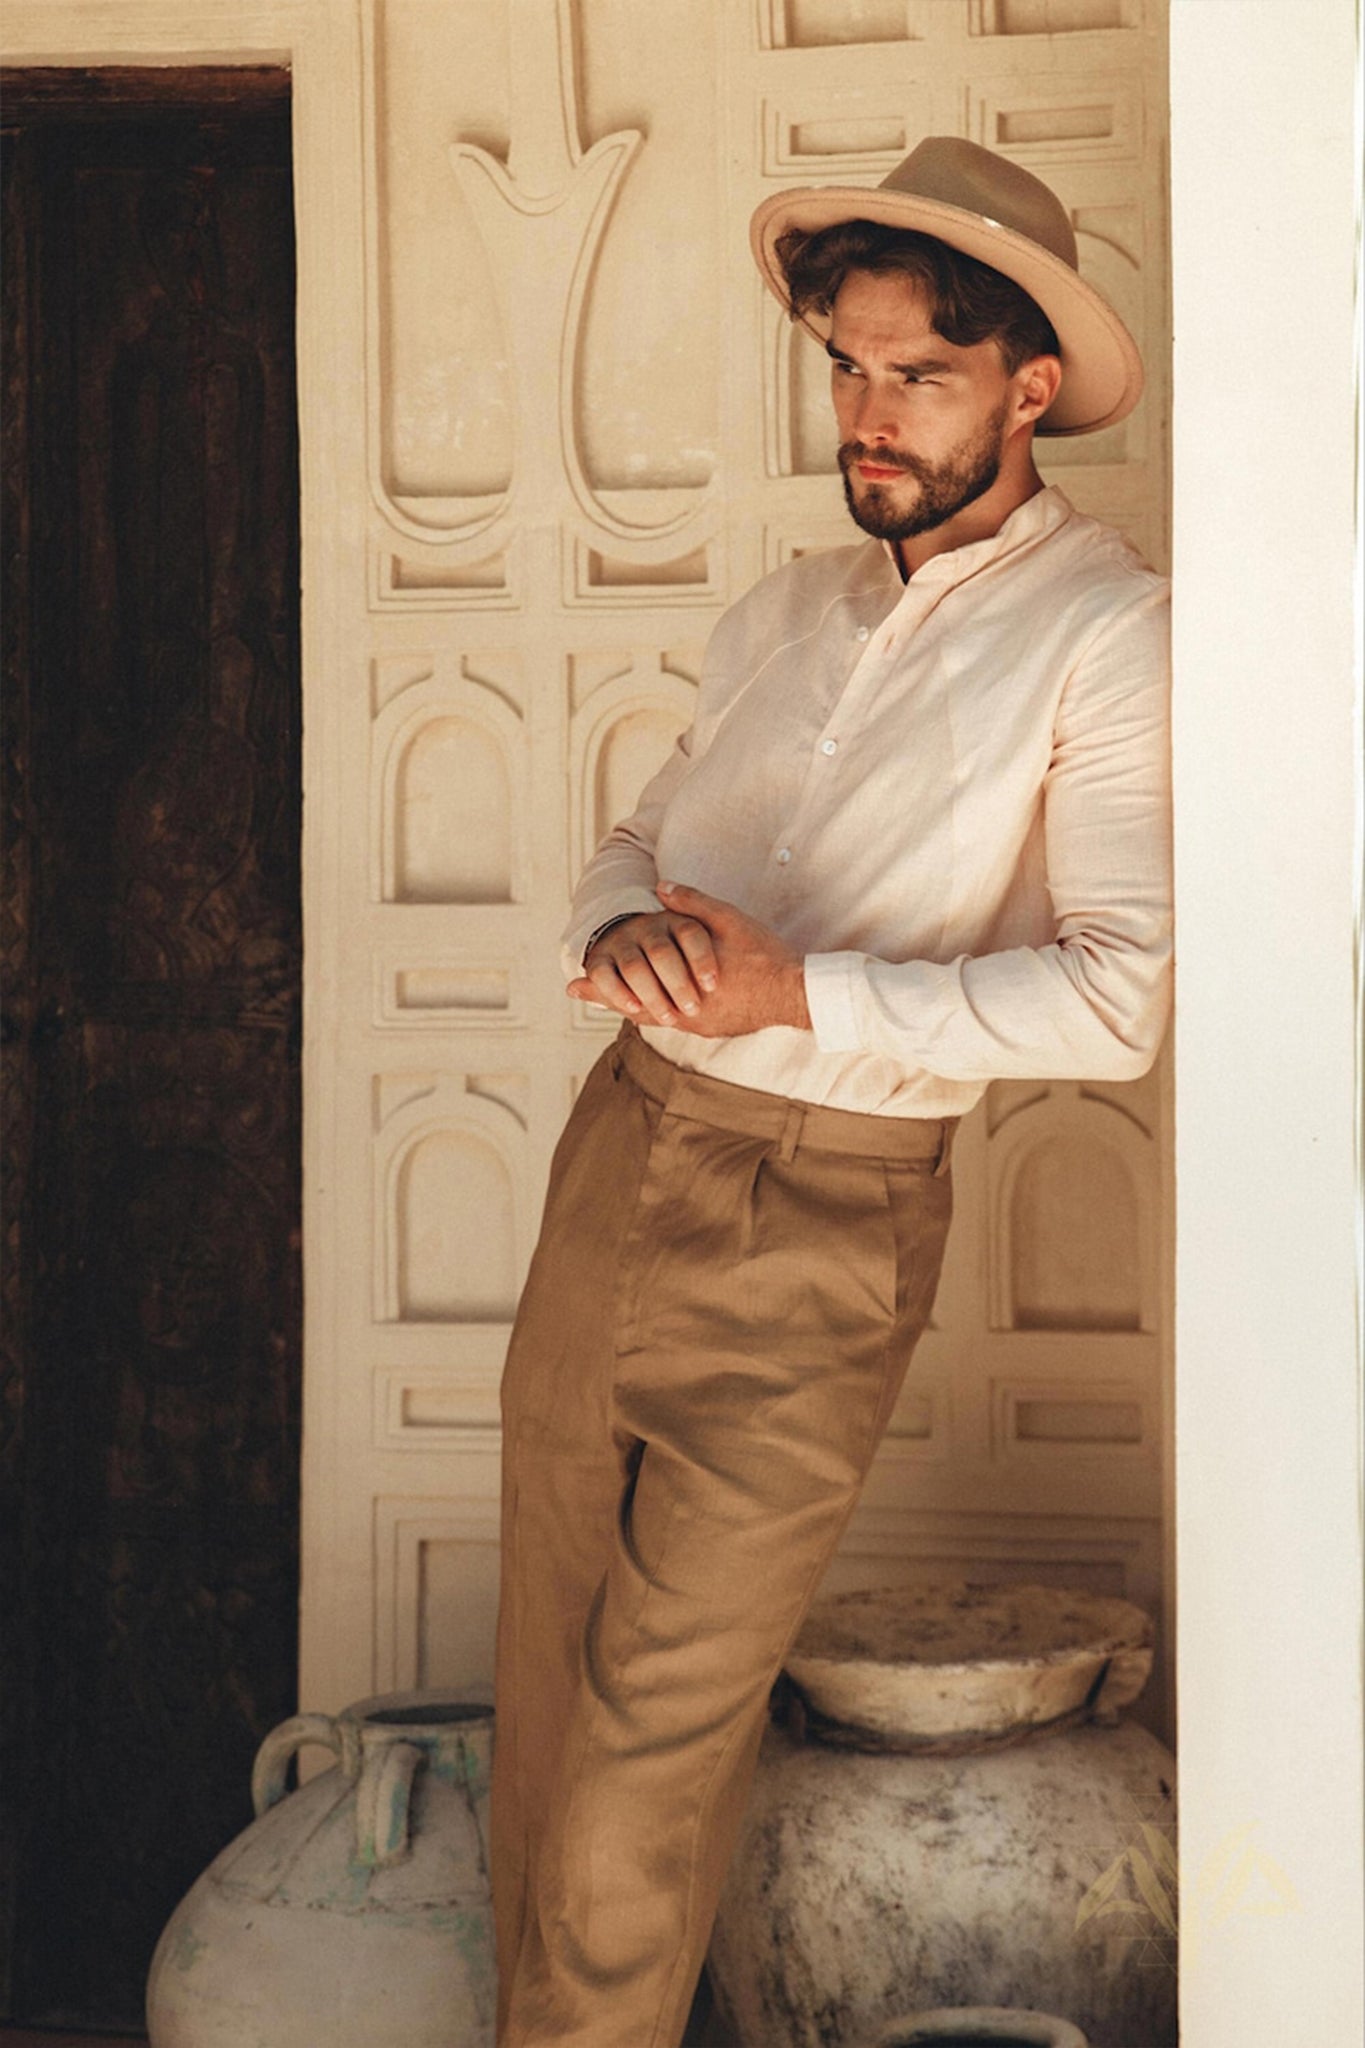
(629, 902)
(831, 982)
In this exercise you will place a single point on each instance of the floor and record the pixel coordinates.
(704, 2030)
(25, 2037)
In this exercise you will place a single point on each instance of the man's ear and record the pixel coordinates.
(1036, 383)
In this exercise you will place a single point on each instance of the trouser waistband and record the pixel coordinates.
(792, 1126)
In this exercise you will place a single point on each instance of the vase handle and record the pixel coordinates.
(281, 1744)
(382, 1801)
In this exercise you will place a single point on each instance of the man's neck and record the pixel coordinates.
(980, 520)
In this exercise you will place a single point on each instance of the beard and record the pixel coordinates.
(945, 487)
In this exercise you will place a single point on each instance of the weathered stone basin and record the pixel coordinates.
(914, 1667)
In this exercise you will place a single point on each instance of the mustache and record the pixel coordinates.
(852, 452)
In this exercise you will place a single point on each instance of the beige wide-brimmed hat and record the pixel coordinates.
(989, 208)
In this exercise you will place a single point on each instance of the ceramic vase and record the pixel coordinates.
(353, 1912)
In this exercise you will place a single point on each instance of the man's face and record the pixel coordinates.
(921, 420)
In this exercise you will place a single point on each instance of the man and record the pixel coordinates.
(916, 839)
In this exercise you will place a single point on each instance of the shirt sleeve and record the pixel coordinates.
(1094, 1002)
(620, 879)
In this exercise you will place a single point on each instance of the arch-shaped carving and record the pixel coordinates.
(1072, 1206)
(449, 1241)
(1074, 1255)
(632, 750)
(814, 436)
(452, 837)
(617, 742)
(451, 772)
(455, 1255)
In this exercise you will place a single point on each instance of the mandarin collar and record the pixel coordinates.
(1038, 515)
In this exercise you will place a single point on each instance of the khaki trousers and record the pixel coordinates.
(720, 1311)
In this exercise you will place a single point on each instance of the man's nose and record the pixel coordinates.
(875, 418)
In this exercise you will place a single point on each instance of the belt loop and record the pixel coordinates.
(791, 1132)
(945, 1147)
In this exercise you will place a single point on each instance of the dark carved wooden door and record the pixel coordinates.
(152, 951)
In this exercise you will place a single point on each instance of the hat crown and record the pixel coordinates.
(988, 208)
(954, 172)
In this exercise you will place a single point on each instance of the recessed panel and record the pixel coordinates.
(811, 24)
(456, 1242)
(634, 750)
(1078, 1421)
(814, 437)
(1053, 124)
(600, 578)
(1076, 1262)
(453, 822)
(863, 136)
(481, 989)
(427, 991)
(420, 583)
(1054, 17)
(609, 572)
(913, 1420)
(646, 406)
(447, 386)
(457, 1612)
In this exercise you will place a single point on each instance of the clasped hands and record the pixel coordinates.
(698, 965)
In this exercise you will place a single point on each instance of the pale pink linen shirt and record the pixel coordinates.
(951, 795)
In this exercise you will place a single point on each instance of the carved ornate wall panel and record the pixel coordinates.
(586, 429)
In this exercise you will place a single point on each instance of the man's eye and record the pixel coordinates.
(846, 369)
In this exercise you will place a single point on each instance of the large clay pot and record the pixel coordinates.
(964, 1838)
(354, 1912)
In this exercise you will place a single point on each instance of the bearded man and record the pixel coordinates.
(916, 840)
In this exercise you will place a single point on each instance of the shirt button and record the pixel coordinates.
(784, 854)
(829, 746)
(863, 633)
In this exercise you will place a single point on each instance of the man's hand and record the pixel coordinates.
(701, 965)
(658, 966)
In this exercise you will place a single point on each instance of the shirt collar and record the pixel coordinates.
(1039, 515)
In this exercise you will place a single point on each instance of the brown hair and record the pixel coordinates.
(970, 301)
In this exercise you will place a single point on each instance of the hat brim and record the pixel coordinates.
(1101, 367)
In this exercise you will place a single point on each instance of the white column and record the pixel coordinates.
(1268, 1416)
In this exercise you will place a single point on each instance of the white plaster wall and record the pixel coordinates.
(1265, 176)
